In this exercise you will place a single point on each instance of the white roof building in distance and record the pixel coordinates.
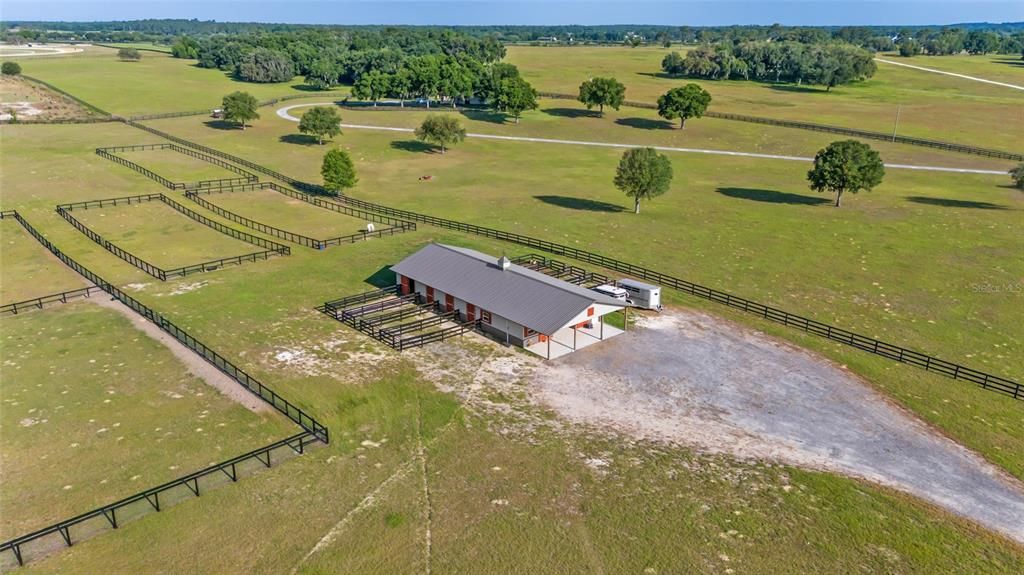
(519, 306)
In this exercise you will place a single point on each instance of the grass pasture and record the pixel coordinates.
(1008, 68)
(95, 410)
(176, 166)
(27, 269)
(155, 84)
(570, 120)
(930, 105)
(275, 209)
(160, 235)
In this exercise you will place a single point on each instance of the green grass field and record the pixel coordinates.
(568, 119)
(95, 410)
(155, 84)
(1007, 68)
(178, 167)
(510, 488)
(276, 209)
(930, 105)
(160, 235)
(27, 269)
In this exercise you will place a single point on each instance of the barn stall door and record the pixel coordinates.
(449, 302)
(470, 312)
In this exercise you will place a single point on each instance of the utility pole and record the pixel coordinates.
(897, 125)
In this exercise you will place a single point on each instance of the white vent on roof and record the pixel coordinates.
(504, 262)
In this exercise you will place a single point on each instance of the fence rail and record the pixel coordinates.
(38, 303)
(263, 103)
(894, 352)
(300, 239)
(270, 247)
(151, 496)
(110, 153)
(947, 146)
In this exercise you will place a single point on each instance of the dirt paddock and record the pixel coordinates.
(691, 379)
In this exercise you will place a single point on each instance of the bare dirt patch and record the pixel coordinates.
(23, 100)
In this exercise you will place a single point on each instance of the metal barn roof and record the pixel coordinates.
(537, 301)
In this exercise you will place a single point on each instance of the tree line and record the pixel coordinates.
(821, 64)
(163, 30)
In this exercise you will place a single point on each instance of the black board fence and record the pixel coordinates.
(108, 514)
(312, 429)
(868, 135)
(110, 153)
(318, 244)
(38, 303)
(891, 351)
(270, 248)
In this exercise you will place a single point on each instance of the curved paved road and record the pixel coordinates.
(284, 113)
(943, 72)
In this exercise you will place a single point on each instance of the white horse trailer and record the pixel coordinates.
(642, 295)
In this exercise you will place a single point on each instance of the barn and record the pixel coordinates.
(519, 306)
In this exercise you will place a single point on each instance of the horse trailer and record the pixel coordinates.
(642, 295)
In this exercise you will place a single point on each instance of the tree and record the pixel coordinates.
(846, 166)
(372, 86)
(516, 95)
(441, 131)
(129, 54)
(672, 63)
(643, 174)
(909, 47)
(322, 74)
(240, 107)
(338, 171)
(602, 92)
(321, 121)
(10, 68)
(1017, 174)
(265, 66)
(185, 47)
(689, 101)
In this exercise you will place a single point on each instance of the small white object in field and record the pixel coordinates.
(370, 227)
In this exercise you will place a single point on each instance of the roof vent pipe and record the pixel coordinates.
(504, 262)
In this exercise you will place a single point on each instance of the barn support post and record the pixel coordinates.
(549, 348)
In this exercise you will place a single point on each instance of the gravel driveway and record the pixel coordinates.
(693, 379)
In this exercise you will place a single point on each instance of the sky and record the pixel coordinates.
(480, 12)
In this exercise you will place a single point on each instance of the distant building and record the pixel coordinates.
(519, 306)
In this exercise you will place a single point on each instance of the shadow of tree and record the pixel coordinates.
(645, 123)
(803, 89)
(485, 116)
(222, 125)
(950, 203)
(381, 278)
(772, 196)
(571, 112)
(580, 204)
(414, 146)
(300, 139)
(1010, 61)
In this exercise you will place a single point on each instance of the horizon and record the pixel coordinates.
(697, 13)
